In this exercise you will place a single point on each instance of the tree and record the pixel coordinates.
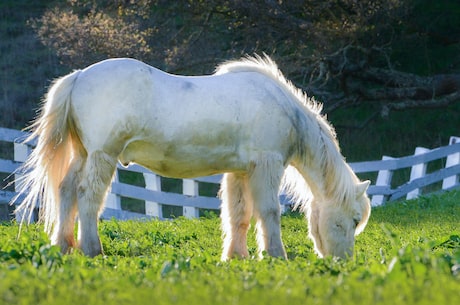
(392, 54)
(82, 33)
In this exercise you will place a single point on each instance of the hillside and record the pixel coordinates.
(27, 67)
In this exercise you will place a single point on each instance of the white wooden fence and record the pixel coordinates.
(443, 177)
(447, 174)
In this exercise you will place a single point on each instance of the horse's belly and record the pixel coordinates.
(184, 161)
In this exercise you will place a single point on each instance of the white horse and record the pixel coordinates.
(246, 121)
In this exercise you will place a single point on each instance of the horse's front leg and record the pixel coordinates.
(92, 190)
(264, 181)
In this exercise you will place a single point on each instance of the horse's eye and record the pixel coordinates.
(356, 222)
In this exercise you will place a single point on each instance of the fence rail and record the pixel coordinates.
(154, 199)
(382, 191)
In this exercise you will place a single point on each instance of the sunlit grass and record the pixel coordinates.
(408, 254)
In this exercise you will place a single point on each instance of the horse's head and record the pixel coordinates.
(333, 227)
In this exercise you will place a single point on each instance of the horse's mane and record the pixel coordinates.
(268, 67)
(340, 180)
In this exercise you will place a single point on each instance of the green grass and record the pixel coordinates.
(408, 254)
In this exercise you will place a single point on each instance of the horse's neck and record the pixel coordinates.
(314, 178)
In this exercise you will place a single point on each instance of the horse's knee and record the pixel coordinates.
(271, 213)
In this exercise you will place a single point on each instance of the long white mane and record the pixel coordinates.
(268, 67)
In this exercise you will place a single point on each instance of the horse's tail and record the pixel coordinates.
(48, 163)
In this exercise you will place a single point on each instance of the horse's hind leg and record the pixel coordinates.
(236, 214)
(95, 180)
(264, 181)
(63, 230)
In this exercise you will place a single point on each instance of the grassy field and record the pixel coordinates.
(409, 254)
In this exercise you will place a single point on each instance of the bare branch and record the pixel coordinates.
(431, 103)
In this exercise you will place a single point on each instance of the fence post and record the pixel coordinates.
(190, 188)
(153, 182)
(383, 179)
(452, 160)
(417, 171)
(21, 153)
(113, 201)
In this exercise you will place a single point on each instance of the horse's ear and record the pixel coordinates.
(361, 188)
